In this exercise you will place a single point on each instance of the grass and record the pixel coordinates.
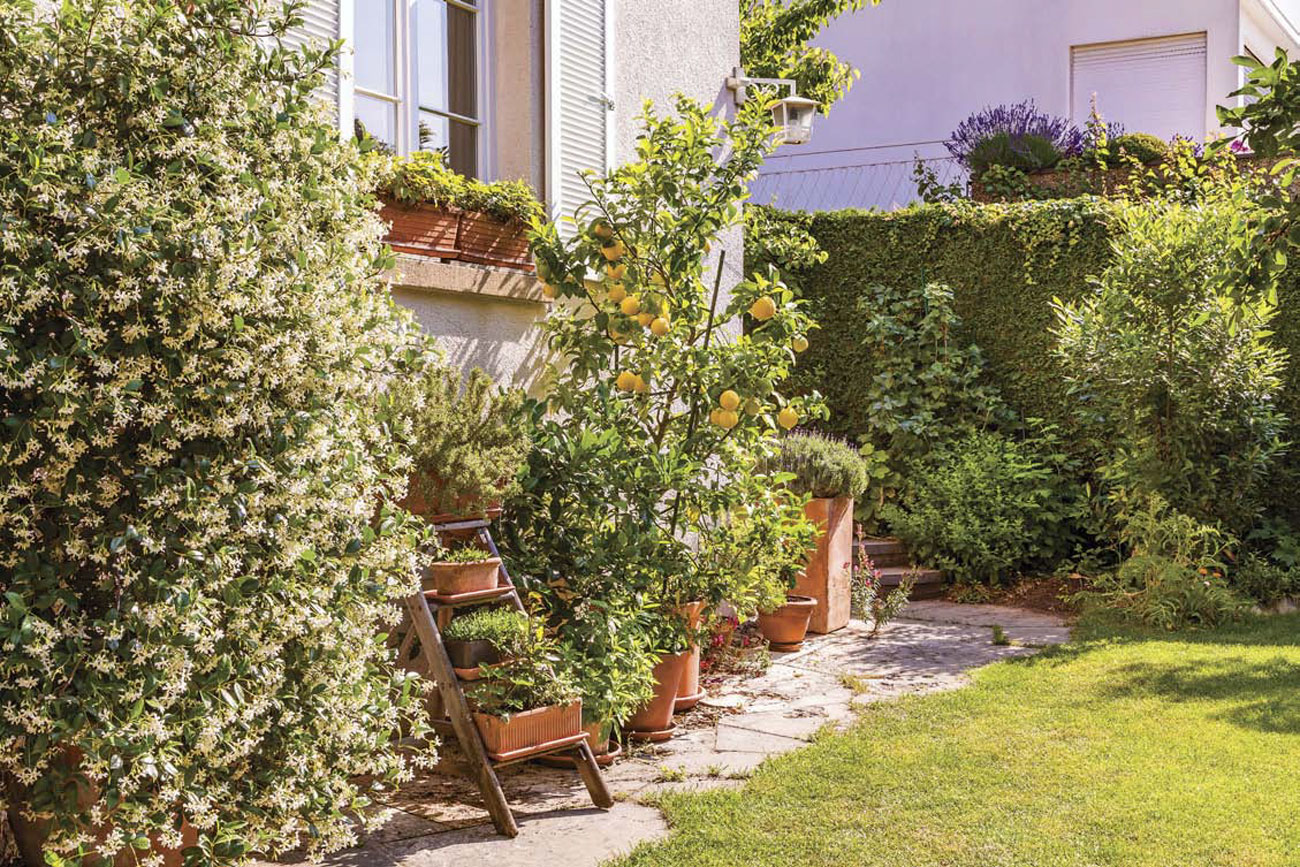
(1123, 748)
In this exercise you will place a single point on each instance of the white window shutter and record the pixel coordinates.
(1149, 85)
(579, 107)
(320, 27)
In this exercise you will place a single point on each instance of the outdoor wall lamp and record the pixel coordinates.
(792, 115)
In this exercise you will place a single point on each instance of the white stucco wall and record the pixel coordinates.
(928, 64)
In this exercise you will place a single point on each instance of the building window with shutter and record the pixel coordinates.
(416, 71)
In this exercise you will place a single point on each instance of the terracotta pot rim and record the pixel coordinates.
(496, 560)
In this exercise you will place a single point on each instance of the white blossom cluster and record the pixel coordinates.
(197, 561)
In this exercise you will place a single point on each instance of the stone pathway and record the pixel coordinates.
(439, 820)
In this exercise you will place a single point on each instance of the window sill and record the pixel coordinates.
(463, 278)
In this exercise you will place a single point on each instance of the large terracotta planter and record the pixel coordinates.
(786, 627)
(828, 576)
(688, 689)
(454, 579)
(653, 721)
(422, 230)
(505, 738)
(488, 241)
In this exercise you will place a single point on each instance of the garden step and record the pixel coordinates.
(929, 582)
(886, 552)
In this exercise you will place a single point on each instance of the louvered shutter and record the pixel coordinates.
(581, 111)
(1148, 85)
(320, 27)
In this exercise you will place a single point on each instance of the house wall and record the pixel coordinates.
(928, 64)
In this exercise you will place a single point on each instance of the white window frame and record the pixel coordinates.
(404, 77)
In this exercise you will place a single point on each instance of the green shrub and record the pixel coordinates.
(985, 507)
(1140, 146)
(1171, 377)
(822, 466)
(422, 177)
(198, 550)
(1174, 572)
(1264, 581)
(467, 440)
(506, 628)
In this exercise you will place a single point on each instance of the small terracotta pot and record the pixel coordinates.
(472, 654)
(520, 733)
(423, 229)
(786, 627)
(654, 720)
(688, 690)
(488, 241)
(454, 579)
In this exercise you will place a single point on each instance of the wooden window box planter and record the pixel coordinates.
(486, 240)
(531, 731)
(449, 233)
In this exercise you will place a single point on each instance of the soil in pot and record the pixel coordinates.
(510, 737)
(786, 627)
(454, 579)
(689, 692)
(653, 721)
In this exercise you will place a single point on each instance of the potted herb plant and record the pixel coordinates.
(461, 569)
(465, 441)
(528, 703)
(830, 473)
(483, 636)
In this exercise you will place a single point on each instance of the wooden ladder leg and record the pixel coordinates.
(457, 709)
(585, 759)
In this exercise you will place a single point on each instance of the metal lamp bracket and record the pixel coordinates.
(738, 82)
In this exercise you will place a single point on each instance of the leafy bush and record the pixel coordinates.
(1170, 373)
(822, 466)
(466, 440)
(1174, 573)
(198, 549)
(1024, 152)
(985, 507)
(1140, 146)
(1016, 132)
(506, 628)
(423, 177)
(1263, 580)
(536, 677)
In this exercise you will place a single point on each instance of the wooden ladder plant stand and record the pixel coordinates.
(423, 610)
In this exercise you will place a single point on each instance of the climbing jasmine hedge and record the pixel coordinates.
(197, 548)
(1005, 263)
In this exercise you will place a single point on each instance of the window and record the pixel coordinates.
(1148, 85)
(416, 76)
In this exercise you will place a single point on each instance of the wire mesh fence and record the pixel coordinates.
(884, 185)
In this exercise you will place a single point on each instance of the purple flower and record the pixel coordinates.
(1016, 122)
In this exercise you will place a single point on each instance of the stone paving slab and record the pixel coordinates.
(439, 819)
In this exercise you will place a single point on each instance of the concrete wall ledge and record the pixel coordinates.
(464, 278)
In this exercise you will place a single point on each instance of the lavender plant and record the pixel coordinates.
(1018, 132)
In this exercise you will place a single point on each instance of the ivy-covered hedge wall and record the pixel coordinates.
(1005, 263)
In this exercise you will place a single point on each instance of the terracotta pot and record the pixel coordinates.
(453, 579)
(598, 737)
(488, 241)
(786, 627)
(472, 654)
(688, 690)
(30, 836)
(521, 733)
(422, 230)
(827, 577)
(655, 718)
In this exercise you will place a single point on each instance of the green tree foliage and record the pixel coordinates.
(196, 548)
(774, 43)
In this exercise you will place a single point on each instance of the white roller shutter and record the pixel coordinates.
(579, 107)
(320, 27)
(1149, 85)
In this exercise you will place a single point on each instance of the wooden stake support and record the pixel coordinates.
(426, 611)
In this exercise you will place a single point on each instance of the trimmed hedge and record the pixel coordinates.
(1005, 263)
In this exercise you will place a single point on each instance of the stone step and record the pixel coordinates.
(886, 552)
(929, 582)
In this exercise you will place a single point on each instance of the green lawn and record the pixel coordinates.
(1122, 749)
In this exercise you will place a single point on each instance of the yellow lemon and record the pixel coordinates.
(729, 400)
(613, 252)
(800, 344)
(659, 327)
(616, 292)
(548, 290)
(643, 319)
(753, 407)
(626, 381)
(640, 386)
(615, 272)
(713, 416)
(602, 229)
(764, 308)
(630, 306)
(787, 418)
(727, 418)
